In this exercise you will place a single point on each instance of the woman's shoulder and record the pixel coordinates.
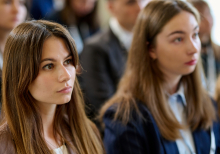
(6, 142)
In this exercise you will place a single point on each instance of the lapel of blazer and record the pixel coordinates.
(196, 136)
(202, 139)
(115, 40)
(170, 146)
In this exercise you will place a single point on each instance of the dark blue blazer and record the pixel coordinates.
(143, 136)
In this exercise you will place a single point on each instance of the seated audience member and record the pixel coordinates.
(104, 55)
(80, 16)
(12, 13)
(210, 52)
(160, 105)
(43, 110)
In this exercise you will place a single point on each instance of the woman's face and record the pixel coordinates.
(55, 81)
(82, 7)
(12, 13)
(178, 46)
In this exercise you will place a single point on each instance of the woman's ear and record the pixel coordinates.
(152, 51)
(153, 54)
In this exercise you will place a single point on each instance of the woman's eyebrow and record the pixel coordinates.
(176, 32)
(181, 32)
(48, 59)
(68, 56)
(52, 59)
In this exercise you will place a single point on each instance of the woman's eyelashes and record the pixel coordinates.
(181, 39)
(195, 35)
(7, 1)
(177, 40)
(48, 66)
(68, 61)
(51, 65)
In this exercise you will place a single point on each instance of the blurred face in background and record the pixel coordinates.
(82, 7)
(12, 13)
(126, 11)
(206, 23)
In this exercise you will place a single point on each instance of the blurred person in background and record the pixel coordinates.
(160, 106)
(104, 55)
(210, 51)
(12, 13)
(80, 17)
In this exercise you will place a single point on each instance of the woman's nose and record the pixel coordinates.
(63, 74)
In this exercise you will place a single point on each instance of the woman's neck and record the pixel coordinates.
(3, 39)
(47, 112)
(172, 84)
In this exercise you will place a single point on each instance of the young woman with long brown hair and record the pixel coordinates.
(160, 105)
(43, 110)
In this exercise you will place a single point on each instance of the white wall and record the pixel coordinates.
(215, 9)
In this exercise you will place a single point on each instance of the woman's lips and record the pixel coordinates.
(65, 90)
(192, 62)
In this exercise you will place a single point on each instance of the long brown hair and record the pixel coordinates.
(144, 81)
(20, 114)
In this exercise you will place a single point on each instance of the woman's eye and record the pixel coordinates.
(131, 2)
(69, 61)
(196, 34)
(48, 67)
(7, 1)
(178, 39)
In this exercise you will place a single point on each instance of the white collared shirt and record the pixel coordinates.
(60, 150)
(124, 36)
(186, 143)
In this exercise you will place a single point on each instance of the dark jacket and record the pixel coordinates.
(103, 61)
(143, 136)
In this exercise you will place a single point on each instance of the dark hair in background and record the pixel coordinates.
(69, 17)
(144, 81)
(20, 113)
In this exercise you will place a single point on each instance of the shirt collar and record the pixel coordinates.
(180, 92)
(124, 36)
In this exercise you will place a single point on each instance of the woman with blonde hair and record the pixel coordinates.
(160, 105)
(43, 111)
